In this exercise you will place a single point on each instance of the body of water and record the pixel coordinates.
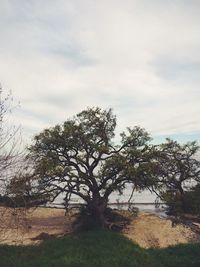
(144, 201)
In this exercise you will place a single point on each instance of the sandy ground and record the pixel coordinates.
(147, 230)
(37, 225)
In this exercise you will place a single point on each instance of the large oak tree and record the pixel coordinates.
(80, 158)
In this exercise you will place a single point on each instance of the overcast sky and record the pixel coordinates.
(140, 57)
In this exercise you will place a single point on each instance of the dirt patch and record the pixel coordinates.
(147, 230)
(52, 222)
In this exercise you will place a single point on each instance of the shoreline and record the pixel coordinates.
(146, 229)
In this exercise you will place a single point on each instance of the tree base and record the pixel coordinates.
(113, 220)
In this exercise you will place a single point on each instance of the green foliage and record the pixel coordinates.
(178, 169)
(98, 249)
(173, 202)
(192, 200)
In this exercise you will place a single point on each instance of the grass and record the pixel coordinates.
(184, 255)
(97, 249)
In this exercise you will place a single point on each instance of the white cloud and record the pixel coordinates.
(139, 57)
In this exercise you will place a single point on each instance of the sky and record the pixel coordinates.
(139, 57)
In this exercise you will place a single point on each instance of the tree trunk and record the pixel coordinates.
(97, 207)
(182, 198)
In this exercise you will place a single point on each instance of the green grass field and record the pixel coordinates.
(97, 249)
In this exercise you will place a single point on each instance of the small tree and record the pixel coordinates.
(177, 172)
(80, 158)
(9, 143)
(10, 165)
(22, 189)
